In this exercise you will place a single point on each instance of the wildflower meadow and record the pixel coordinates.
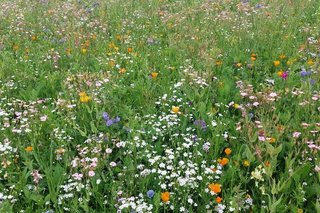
(192, 106)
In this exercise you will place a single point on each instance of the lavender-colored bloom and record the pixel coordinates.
(304, 73)
(201, 123)
(312, 81)
(110, 122)
(105, 116)
(150, 193)
(116, 120)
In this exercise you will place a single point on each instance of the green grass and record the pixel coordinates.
(188, 79)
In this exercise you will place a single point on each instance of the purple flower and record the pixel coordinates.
(105, 116)
(304, 73)
(150, 193)
(201, 123)
(285, 75)
(109, 121)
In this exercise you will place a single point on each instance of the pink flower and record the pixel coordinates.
(296, 134)
(36, 176)
(91, 173)
(77, 176)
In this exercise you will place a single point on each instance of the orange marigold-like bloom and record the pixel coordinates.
(227, 151)
(276, 63)
(154, 75)
(29, 148)
(215, 187)
(165, 197)
(218, 199)
(223, 161)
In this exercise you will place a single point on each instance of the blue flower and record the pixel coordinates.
(150, 193)
(109, 121)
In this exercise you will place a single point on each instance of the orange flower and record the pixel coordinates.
(276, 63)
(122, 70)
(218, 63)
(227, 151)
(223, 161)
(154, 75)
(165, 197)
(29, 148)
(218, 199)
(215, 187)
(87, 43)
(129, 49)
(267, 163)
(33, 38)
(280, 73)
(253, 57)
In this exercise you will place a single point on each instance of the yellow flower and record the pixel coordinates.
(272, 140)
(165, 197)
(289, 62)
(310, 62)
(227, 151)
(33, 38)
(83, 50)
(246, 163)
(175, 109)
(239, 65)
(85, 99)
(29, 148)
(94, 37)
(118, 37)
(112, 63)
(300, 210)
(236, 106)
(154, 75)
(276, 63)
(218, 63)
(215, 187)
(82, 94)
(282, 56)
(15, 47)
